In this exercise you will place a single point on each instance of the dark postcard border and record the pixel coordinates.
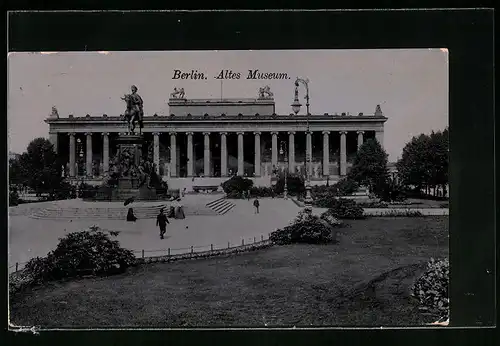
(468, 34)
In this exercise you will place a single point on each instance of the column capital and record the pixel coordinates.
(189, 133)
(291, 132)
(223, 133)
(308, 132)
(257, 133)
(326, 132)
(360, 132)
(343, 132)
(104, 133)
(172, 133)
(274, 133)
(240, 133)
(71, 134)
(156, 133)
(206, 133)
(88, 134)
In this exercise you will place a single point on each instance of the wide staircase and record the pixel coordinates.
(221, 206)
(120, 213)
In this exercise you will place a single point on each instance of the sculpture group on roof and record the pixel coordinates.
(178, 94)
(265, 92)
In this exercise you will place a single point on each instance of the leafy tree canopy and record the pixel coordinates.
(38, 167)
(370, 166)
(425, 160)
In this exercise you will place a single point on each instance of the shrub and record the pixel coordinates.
(431, 289)
(65, 191)
(13, 196)
(237, 184)
(257, 191)
(89, 252)
(342, 208)
(295, 185)
(346, 186)
(374, 204)
(235, 195)
(331, 219)
(306, 228)
(401, 213)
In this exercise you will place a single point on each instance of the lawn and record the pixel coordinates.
(362, 280)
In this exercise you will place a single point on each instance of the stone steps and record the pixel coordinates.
(221, 206)
(116, 213)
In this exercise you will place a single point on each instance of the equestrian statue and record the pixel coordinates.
(134, 112)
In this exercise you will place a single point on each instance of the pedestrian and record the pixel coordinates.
(162, 220)
(256, 205)
(130, 215)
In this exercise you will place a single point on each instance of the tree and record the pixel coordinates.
(17, 176)
(414, 167)
(425, 160)
(370, 167)
(40, 167)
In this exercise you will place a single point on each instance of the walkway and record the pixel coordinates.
(29, 237)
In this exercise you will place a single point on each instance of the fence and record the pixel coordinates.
(171, 254)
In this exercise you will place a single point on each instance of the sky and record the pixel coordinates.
(411, 85)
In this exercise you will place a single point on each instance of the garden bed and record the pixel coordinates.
(363, 280)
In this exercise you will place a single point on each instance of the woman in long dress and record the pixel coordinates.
(179, 210)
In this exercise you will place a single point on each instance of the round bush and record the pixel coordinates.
(237, 184)
(345, 209)
(431, 289)
(89, 252)
(306, 228)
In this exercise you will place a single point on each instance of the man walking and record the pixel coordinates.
(256, 205)
(162, 220)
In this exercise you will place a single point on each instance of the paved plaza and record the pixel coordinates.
(29, 237)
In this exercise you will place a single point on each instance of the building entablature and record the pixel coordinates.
(215, 124)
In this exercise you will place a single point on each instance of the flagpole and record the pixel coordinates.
(221, 89)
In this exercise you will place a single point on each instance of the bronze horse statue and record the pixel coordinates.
(133, 114)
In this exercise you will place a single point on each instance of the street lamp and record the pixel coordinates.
(284, 153)
(296, 108)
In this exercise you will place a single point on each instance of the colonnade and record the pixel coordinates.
(224, 151)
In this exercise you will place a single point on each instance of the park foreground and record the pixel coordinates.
(364, 279)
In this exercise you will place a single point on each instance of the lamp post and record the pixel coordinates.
(296, 108)
(285, 156)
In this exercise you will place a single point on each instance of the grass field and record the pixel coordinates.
(362, 280)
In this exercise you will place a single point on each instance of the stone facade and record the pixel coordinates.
(219, 138)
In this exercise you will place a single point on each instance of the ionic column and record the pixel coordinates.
(72, 154)
(190, 160)
(379, 136)
(309, 152)
(206, 155)
(105, 152)
(257, 154)
(291, 151)
(326, 153)
(274, 149)
(156, 151)
(173, 154)
(223, 154)
(88, 161)
(343, 153)
(240, 154)
(360, 138)
(53, 140)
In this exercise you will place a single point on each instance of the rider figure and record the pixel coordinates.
(136, 101)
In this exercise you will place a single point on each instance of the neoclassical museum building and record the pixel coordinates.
(217, 138)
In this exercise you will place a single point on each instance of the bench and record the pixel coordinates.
(210, 188)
